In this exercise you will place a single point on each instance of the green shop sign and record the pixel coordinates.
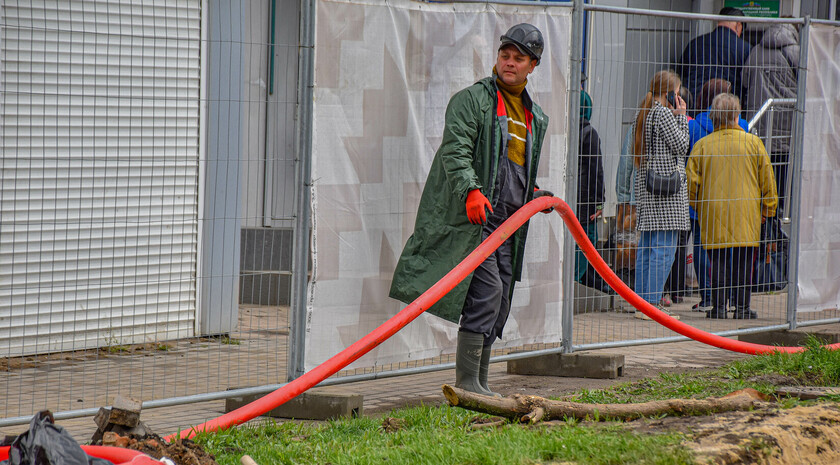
(756, 8)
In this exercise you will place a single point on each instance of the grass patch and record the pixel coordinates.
(436, 435)
(225, 339)
(433, 435)
(816, 366)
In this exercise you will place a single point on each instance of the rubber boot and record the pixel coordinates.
(484, 370)
(467, 362)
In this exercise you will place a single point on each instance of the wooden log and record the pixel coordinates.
(247, 460)
(807, 392)
(531, 409)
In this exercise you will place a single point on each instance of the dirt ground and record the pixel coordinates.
(770, 435)
(181, 452)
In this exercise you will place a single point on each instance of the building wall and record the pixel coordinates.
(268, 106)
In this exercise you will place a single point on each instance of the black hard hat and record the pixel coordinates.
(527, 38)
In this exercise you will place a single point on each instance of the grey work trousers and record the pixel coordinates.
(487, 305)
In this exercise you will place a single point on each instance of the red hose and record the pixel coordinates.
(116, 455)
(446, 284)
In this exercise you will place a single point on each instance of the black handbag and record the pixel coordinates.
(658, 184)
(665, 186)
(770, 270)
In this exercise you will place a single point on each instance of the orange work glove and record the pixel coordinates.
(544, 193)
(476, 202)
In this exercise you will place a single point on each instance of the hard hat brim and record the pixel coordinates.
(522, 49)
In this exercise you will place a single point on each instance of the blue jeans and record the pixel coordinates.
(702, 266)
(654, 257)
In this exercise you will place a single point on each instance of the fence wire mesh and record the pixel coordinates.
(146, 149)
(148, 196)
(719, 253)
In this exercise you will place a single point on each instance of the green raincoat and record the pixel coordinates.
(474, 139)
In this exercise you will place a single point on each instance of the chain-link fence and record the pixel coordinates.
(729, 262)
(156, 189)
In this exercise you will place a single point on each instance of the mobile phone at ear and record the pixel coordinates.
(672, 99)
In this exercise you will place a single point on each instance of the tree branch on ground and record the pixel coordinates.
(532, 409)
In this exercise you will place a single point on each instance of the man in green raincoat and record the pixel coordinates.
(484, 170)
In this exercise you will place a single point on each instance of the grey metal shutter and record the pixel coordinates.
(100, 172)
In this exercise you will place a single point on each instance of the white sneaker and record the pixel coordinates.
(641, 316)
(671, 314)
(700, 308)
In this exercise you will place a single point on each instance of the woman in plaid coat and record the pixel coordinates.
(660, 144)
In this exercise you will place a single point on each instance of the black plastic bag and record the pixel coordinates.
(48, 444)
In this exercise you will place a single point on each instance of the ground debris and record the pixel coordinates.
(182, 451)
(807, 392)
(122, 419)
(769, 435)
(392, 425)
(477, 423)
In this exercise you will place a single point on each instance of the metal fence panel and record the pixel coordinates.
(153, 205)
(384, 76)
(134, 174)
(818, 281)
(625, 48)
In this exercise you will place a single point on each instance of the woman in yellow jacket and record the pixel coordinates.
(732, 188)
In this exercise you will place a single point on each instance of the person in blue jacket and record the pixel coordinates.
(698, 128)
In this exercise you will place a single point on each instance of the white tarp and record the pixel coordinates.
(819, 233)
(383, 76)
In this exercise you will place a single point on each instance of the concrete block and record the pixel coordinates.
(314, 404)
(591, 300)
(788, 338)
(101, 418)
(125, 411)
(577, 365)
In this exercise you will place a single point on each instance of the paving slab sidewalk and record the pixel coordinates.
(380, 396)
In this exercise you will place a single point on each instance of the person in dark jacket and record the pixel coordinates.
(590, 193)
(771, 71)
(484, 170)
(718, 54)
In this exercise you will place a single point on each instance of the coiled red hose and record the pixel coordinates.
(446, 284)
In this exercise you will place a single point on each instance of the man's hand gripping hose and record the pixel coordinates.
(476, 205)
(446, 284)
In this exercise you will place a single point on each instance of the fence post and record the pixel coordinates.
(303, 211)
(575, 62)
(796, 174)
